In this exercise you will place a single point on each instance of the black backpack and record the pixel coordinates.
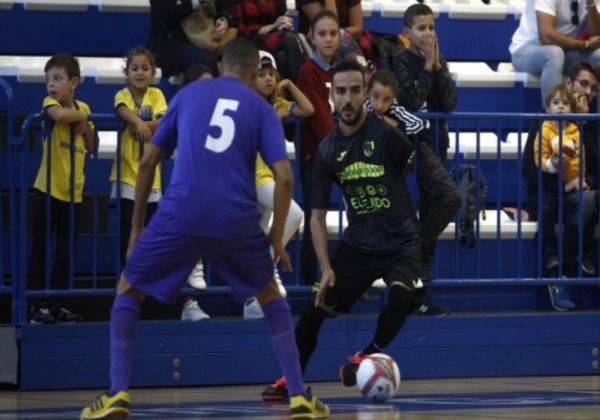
(466, 179)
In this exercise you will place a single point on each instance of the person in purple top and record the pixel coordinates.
(210, 210)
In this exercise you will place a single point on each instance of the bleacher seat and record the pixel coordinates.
(55, 5)
(103, 70)
(488, 226)
(528, 80)
(110, 70)
(396, 8)
(488, 145)
(128, 6)
(467, 144)
(107, 146)
(476, 9)
(456, 9)
(479, 74)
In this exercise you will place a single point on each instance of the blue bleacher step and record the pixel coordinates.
(232, 351)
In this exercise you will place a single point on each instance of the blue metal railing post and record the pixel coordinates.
(12, 144)
(23, 234)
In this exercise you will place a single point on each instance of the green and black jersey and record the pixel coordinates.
(370, 167)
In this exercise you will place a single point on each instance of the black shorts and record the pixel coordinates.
(355, 271)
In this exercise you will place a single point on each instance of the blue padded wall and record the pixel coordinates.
(238, 352)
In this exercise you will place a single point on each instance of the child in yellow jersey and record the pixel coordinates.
(567, 143)
(59, 183)
(268, 86)
(140, 105)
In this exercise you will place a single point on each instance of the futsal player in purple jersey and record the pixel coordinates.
(210, 210)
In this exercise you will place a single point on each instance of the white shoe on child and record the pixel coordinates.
(193, 312)
(379, 284)
(280, 285)
(252, 309)
(196, 277)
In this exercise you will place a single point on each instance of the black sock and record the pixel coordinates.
(391, 318)
(307, 332)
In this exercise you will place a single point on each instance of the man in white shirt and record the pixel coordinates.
(545, 43)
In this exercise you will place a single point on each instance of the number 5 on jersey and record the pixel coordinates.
(225, 123)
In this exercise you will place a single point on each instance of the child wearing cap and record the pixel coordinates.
(274, 91)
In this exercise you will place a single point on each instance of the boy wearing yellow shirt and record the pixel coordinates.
(59, 183)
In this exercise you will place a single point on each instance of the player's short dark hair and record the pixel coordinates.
(240, 53)
(348, 65)
(580, 66)
(64, 61)
(194, 72)
(387, 78)
(418, 9)
(322, 14)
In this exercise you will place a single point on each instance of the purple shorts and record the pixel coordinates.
(162, 261)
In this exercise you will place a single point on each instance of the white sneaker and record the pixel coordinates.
(252, 309)
(280, 285)
(196, 277)
(379, 284)
(193, 312)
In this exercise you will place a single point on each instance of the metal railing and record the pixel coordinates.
(501, 161)
(506, 252)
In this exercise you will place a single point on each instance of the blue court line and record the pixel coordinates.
(420, 402)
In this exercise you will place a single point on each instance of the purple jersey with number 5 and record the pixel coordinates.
(217, 126)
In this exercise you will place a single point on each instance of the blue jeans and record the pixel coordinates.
(550, 62)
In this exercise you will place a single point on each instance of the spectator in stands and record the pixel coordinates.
(426, 85)
(274, 91)
(362, 153)
(557, 150)
(267, 24)
(71, 136)
(314, 81)
(422, 72)
(433, 179)
(548, 38)
(582, 81)
(355, 42)
(186, 32)
(140, 105)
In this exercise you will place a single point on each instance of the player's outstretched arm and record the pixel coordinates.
(320, 238)
(153, 155)
(284, 187)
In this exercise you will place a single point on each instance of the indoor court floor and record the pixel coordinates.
(543, 398)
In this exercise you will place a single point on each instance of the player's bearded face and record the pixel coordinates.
(348, 96)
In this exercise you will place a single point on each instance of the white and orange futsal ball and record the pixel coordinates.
(378, 377)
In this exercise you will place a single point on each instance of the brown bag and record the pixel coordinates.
(199, 27)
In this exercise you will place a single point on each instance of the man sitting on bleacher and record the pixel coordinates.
(548, 39)
(583, 81)
(566, 187)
